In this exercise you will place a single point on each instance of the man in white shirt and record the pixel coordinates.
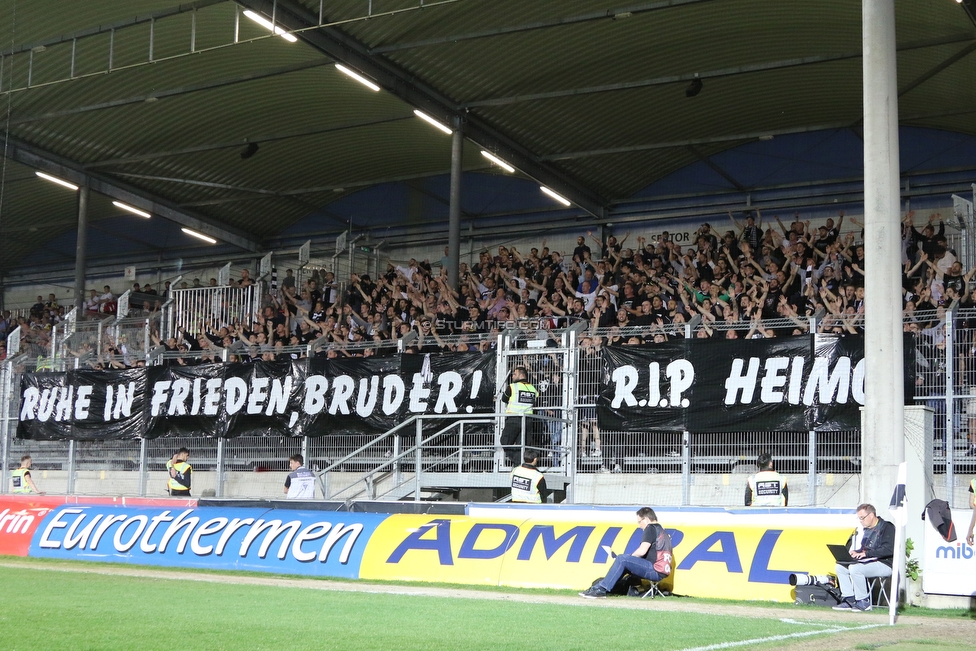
(300, 483)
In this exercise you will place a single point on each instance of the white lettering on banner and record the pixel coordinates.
(28, 403)
(15, 521)
(255, 401)
(340, 395)
(393, 392)
(197, 398)
(211, 404)
(274, 529)
(680, 374)
(773, 381)
(625, 381)
(315, 388)
(83, 402)
(418, 395)
(142, 521)
(450, 383)
(107, 411)
(824, 384)
(159, 397)
(62, 410)
(737, 382)
(210, 526)
(235, 390)
(181, 390)
(125, 395)
(366, 401)
(48, 397)
(342, 389)
(278, 398)
(84, 532)
(778, 380)
(70, 541)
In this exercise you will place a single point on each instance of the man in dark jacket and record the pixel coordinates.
(651, 560)
(872, 559)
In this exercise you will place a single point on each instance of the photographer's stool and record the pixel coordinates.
(878, 588)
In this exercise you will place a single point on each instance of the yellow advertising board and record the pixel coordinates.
(746, 561)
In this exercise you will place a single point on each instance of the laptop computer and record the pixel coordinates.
(842, 555)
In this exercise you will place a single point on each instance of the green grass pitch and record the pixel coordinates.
(51, 609)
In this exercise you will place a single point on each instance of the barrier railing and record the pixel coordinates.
(821, 461)
(196, 309)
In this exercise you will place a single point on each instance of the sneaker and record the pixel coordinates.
(603, 470)
(617, 468)
(972, 451)
(596, 453)
(862, 605)
(673, 453)
(388, 454)
(847, 604)
(595, 592)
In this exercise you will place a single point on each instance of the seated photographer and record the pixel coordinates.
(651, 560)
(873, 558)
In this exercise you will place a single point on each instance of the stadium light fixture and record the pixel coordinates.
(54, 179)
(498, 161)
(358, 77)
(274, 29)
(133, 210)
(558, 197)
(426, 118)
(199, 236)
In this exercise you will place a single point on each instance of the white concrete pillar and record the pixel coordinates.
(883, 427)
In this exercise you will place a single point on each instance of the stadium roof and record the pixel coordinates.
(206, 119)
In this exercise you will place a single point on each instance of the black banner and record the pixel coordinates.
(311, 397)
(790, 384)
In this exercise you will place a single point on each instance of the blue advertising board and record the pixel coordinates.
(320, 543)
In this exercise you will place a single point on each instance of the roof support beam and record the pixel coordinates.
(39, 159)
(707, 74)
(715, 167)
(111, 27)
(172, 92)
(341, 47)
(928, 74)
(609, 14)
(303, 133)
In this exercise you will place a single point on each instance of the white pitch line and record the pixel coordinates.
(805, 623)
(777, 638)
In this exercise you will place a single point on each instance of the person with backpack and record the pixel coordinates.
(651, 560)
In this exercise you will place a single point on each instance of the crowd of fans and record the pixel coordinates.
(754, 279)
(751, 280)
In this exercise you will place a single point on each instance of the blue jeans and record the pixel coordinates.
(853, 578)
(627, 563)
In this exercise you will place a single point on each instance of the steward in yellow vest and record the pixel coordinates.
(519, 398)
(180, 473)
(21, 477)
(528, 484)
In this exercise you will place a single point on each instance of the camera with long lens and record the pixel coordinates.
(812, 579)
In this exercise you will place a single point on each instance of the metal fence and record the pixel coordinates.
(197, 309)
(653, 467)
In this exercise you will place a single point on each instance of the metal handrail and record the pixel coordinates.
(369, 477)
